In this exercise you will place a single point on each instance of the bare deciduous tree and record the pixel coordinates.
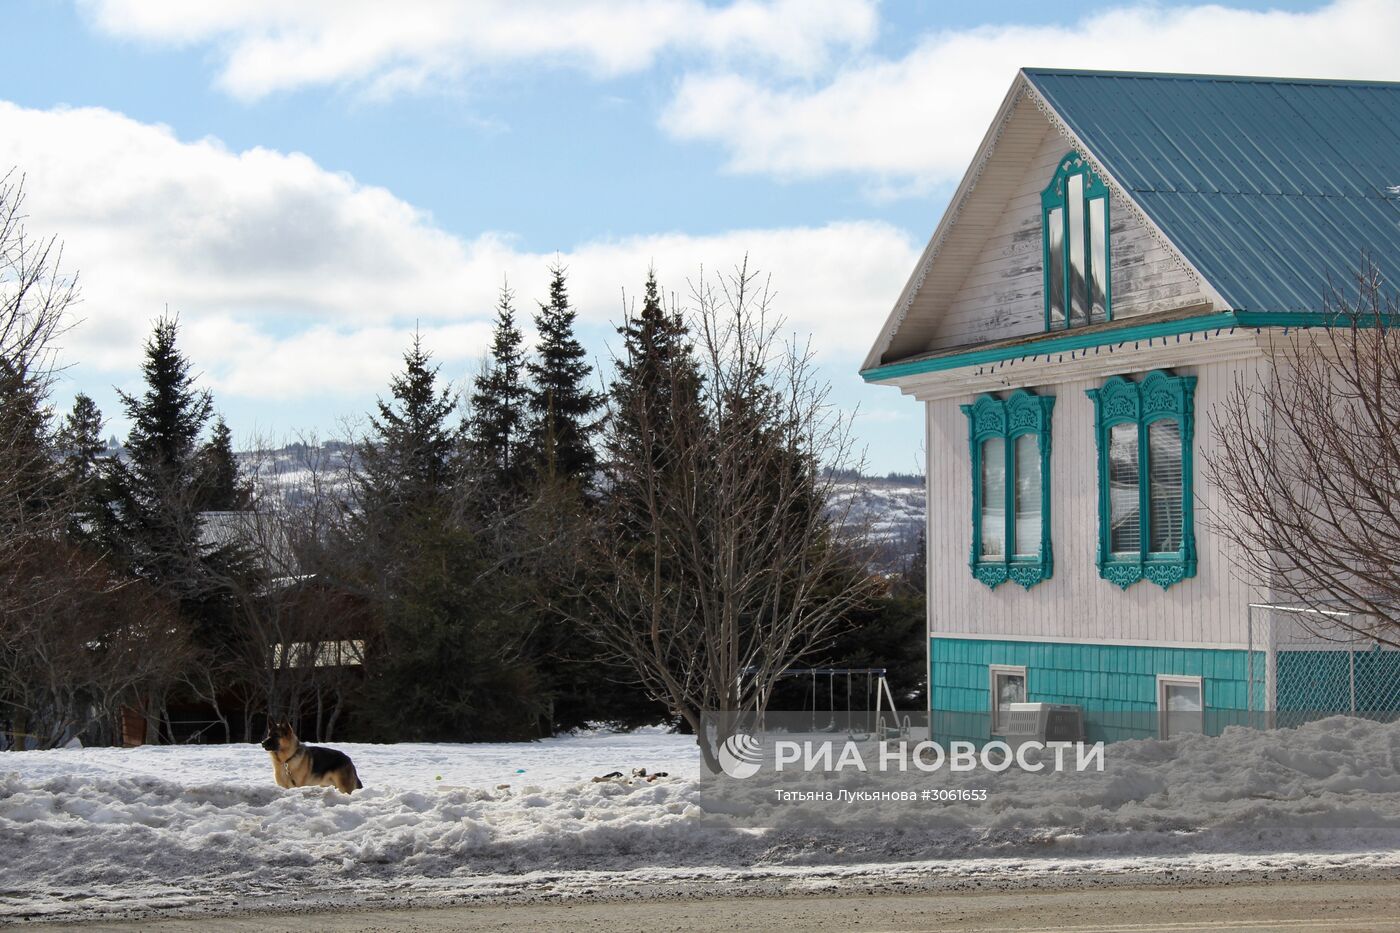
(36, 297)
(295, 642)
(95, 643)
(1307, 461)
(719, 560)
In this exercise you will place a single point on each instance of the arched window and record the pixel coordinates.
(1144, 443)
(1074, 221)
(1010, 447)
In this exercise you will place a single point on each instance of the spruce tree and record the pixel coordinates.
(155, 515)
(28, 483)
(655, 371)
(81, 445)
(80, 438)
(562, 407)
(655, 380)
(445, 664)
(151, 523)
(496, 438)
(221, 484)
(410, 460)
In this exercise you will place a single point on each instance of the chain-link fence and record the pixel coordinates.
(1310, 663)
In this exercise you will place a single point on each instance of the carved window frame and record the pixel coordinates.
(1056, 196)
(1020, 413)
(1158, 396)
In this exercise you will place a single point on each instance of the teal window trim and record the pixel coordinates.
(1158, 396)
(1019, 414)
(1056, 197)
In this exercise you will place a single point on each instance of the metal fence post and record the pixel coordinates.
(1249, 663)
(1271, 671)
(1351, 677)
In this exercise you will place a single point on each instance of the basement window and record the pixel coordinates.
(1180, 705)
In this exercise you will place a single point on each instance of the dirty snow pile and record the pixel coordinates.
(106, 830)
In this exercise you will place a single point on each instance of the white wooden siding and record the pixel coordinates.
(1001, 294)
(1076, 603)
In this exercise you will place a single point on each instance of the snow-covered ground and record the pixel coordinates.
(105, 831)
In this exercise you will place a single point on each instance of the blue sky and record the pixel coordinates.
(306, 183)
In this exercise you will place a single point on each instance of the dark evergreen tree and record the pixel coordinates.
(151, 524)
(409, 461)
(447, 662)
(154, 518)
(657, 365)
(81, 445)
(497, 431)
(562, 407)
(80, 438)
(28, 481)
(221, 486)
(654, 370)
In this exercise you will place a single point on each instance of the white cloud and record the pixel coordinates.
(294, 281)
(274, 45)
(917, 120)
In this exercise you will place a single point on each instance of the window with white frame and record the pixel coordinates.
(1180, 705)
(1008, 686)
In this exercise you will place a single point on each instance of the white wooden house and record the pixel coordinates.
(1116, 256)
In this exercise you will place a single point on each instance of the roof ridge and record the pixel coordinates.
(1187, 76)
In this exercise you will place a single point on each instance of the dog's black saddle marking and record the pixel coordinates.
(324, 760)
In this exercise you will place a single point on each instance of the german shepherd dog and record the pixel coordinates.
(297, 765)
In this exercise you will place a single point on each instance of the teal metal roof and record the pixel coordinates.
(1271, 188)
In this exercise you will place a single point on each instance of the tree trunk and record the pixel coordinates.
(335, 715)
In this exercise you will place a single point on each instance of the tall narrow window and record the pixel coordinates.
(1164, 486)
(1028, 497)
(1010, 445)
(1055, 265)
(993, 498)
(1078, 265)
(1125, 527)
(1074, 215)
(1144, 437)
(1098, 258)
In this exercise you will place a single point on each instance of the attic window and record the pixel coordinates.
(1074, 219)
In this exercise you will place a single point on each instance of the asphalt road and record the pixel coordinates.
(1333, 907)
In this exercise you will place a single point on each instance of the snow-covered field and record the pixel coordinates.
(91, 832)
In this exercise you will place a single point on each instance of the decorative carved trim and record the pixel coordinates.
(1020, 413)
(1121, 575)
(1116, 191)
(1158, 396)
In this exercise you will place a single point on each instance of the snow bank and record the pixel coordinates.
(174, 827)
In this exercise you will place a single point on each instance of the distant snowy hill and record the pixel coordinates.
(889, 509)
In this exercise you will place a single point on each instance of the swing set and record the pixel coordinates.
(824, 680)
